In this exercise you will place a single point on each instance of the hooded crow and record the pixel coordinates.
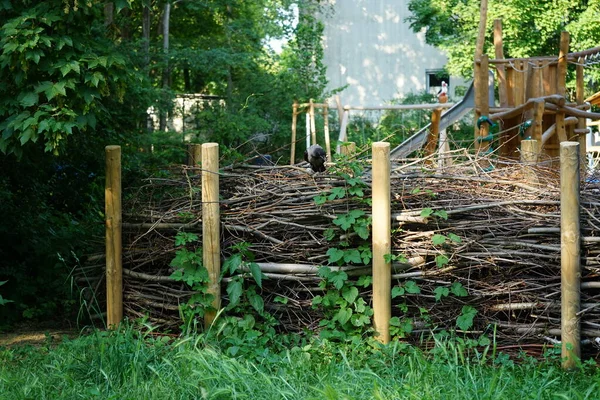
(316, 157)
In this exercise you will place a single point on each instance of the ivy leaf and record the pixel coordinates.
(329, 234)
(440, 292)
(350, 294)
(362, 230)
(458, 290)
(256, 273)
(185, 237)
(234, 290)
(412, 287)
(356, 191)
(335, 255)
(438, 239)
(359, 320)
(465, 319)
(397, 291)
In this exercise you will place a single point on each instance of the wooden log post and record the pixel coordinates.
(530, 151)
(113, 215)
(434, 131)
(482, 108)
(561, 82)
(326, 130)
(194, 155)
(313, 127)
(211, 246)
(294, 125)
(500, 68)
(581, 123)
(570, 238)
(343, 137)
(382, 242)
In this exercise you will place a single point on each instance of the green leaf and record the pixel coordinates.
(458, 290)
(185, 237)
(440, 292)
(337, 193)
(441, 260)
(256, 273)
(320, 199)
(335, 255)
(352, 256)
(55, 89)
(256, 302)
(415, 191)
(343, 315)
(27, 135)
(397, 291)
(426, 212)
(338, 279)
(350, 294)
(234, 290)
(454, 237)
(412, 287)
(388, 258)
(465, 320)
(356, 191)
(282, 300)
(362, 230)
(29, 99)
(438, 239)
(441, 214)
(365, 280)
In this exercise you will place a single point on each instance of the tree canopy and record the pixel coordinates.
(530, 27)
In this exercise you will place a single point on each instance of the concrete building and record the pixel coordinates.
(370, 47)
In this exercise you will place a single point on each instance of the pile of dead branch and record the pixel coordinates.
(507, 256)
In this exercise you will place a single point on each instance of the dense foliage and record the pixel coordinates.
(530, 28)
(76, 76)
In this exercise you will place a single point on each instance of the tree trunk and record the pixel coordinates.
(166, 72)
(146, 35)
(109, 13)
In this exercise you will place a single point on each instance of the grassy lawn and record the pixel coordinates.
(130, 365)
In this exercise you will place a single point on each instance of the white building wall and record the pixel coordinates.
(369, 46)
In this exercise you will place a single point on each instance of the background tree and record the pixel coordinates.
(530, 27)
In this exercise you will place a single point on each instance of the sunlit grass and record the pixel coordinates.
(130, 365)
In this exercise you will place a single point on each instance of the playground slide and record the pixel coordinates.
(456, 112)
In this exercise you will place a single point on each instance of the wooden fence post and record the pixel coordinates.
(114, 262)
(434, 131)
(382, 241)
(294, 123)
(570, 253)
(194, 155)
(530, 152)
(211, 226)
(326, 131)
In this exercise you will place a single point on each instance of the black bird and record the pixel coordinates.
(316, 157)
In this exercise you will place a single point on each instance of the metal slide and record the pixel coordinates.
(456, 112)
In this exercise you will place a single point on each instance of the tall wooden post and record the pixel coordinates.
(294, 123)
(114, 261)
(562, 84)
(382, 242)
(194, 155)
(313, 128)
(482, 105)
(570, 237)
(581, 123)
(211, 227)
(326, 130)
(501, 68)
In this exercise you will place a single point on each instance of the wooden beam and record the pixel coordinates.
(294, 127)
(561, 83)
(500, 68)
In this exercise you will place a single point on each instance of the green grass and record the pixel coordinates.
(131, 365)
